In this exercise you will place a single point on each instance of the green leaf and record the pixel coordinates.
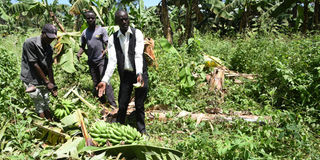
(167, 47)
(97, 13)
(70, 119)
(3, 130)
(67, 61)
(69, 149)
(67, 36)
(99, 156)
(36, 9)
(132, 151)
(19, 7)
(78, 5)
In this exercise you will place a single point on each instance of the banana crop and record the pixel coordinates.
(63, 109)
(114, 133)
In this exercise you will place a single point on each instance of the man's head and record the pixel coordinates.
(90, 18)
(122, 19)
(49, 33)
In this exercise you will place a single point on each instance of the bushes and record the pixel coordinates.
(12, 92)
(288, 69)
(287, 65)
(14, 119)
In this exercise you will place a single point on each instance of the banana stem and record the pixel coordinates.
(83, 100)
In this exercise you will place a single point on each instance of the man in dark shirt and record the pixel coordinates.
(36, 69)
(96, 39)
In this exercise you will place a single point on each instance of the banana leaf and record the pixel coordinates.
(52, 135)
(141, 152)
(69, 149)
(3, 130)
(67, 61)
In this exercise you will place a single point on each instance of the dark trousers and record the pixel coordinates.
(126, 87)
(97, 70)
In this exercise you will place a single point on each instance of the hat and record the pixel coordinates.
(50, 30)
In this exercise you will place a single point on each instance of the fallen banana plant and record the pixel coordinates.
(72, 90)
(52, 135)
(163, 116)
(211, 61)
(88, 139)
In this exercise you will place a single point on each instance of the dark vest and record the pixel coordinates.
(131, 53)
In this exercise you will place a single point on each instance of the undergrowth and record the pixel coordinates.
(286, 89)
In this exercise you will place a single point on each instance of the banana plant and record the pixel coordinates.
(65, 49)
(35, 8)
(142, 17)
(67, 46)
(6, 18)
(98, 6)
(202, 10)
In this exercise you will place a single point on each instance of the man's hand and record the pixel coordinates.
(104, 52)
(78, 56)
(140, 80)
(54, 92)
(101, 87)
(52, 88)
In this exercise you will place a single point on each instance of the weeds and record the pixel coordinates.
(287, 89)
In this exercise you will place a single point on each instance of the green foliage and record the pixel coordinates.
(284, 138)
(144, 19)
(286, 89)
(69, 48)
(143, 152)
(291, 67)
(16, 131)
(186, 78)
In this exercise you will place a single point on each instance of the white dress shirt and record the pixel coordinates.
(124, 43)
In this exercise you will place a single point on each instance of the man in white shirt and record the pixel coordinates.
(125, 50)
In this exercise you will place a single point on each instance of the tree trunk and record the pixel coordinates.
(199, 14)
(245, 18)
(316, 14)
(179, 28)
(188, 17)
(294, 15)
(305, 16)
(165, 20)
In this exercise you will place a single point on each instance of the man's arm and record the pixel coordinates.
(82, 47)
(112, 62)
(54, 91)
(105, 41)
(41, 73)
(139, 56)
(79, 54)
(49, 82)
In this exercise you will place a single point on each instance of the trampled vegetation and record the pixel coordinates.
(284, 92)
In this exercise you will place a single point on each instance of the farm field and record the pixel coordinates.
(267, 106)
